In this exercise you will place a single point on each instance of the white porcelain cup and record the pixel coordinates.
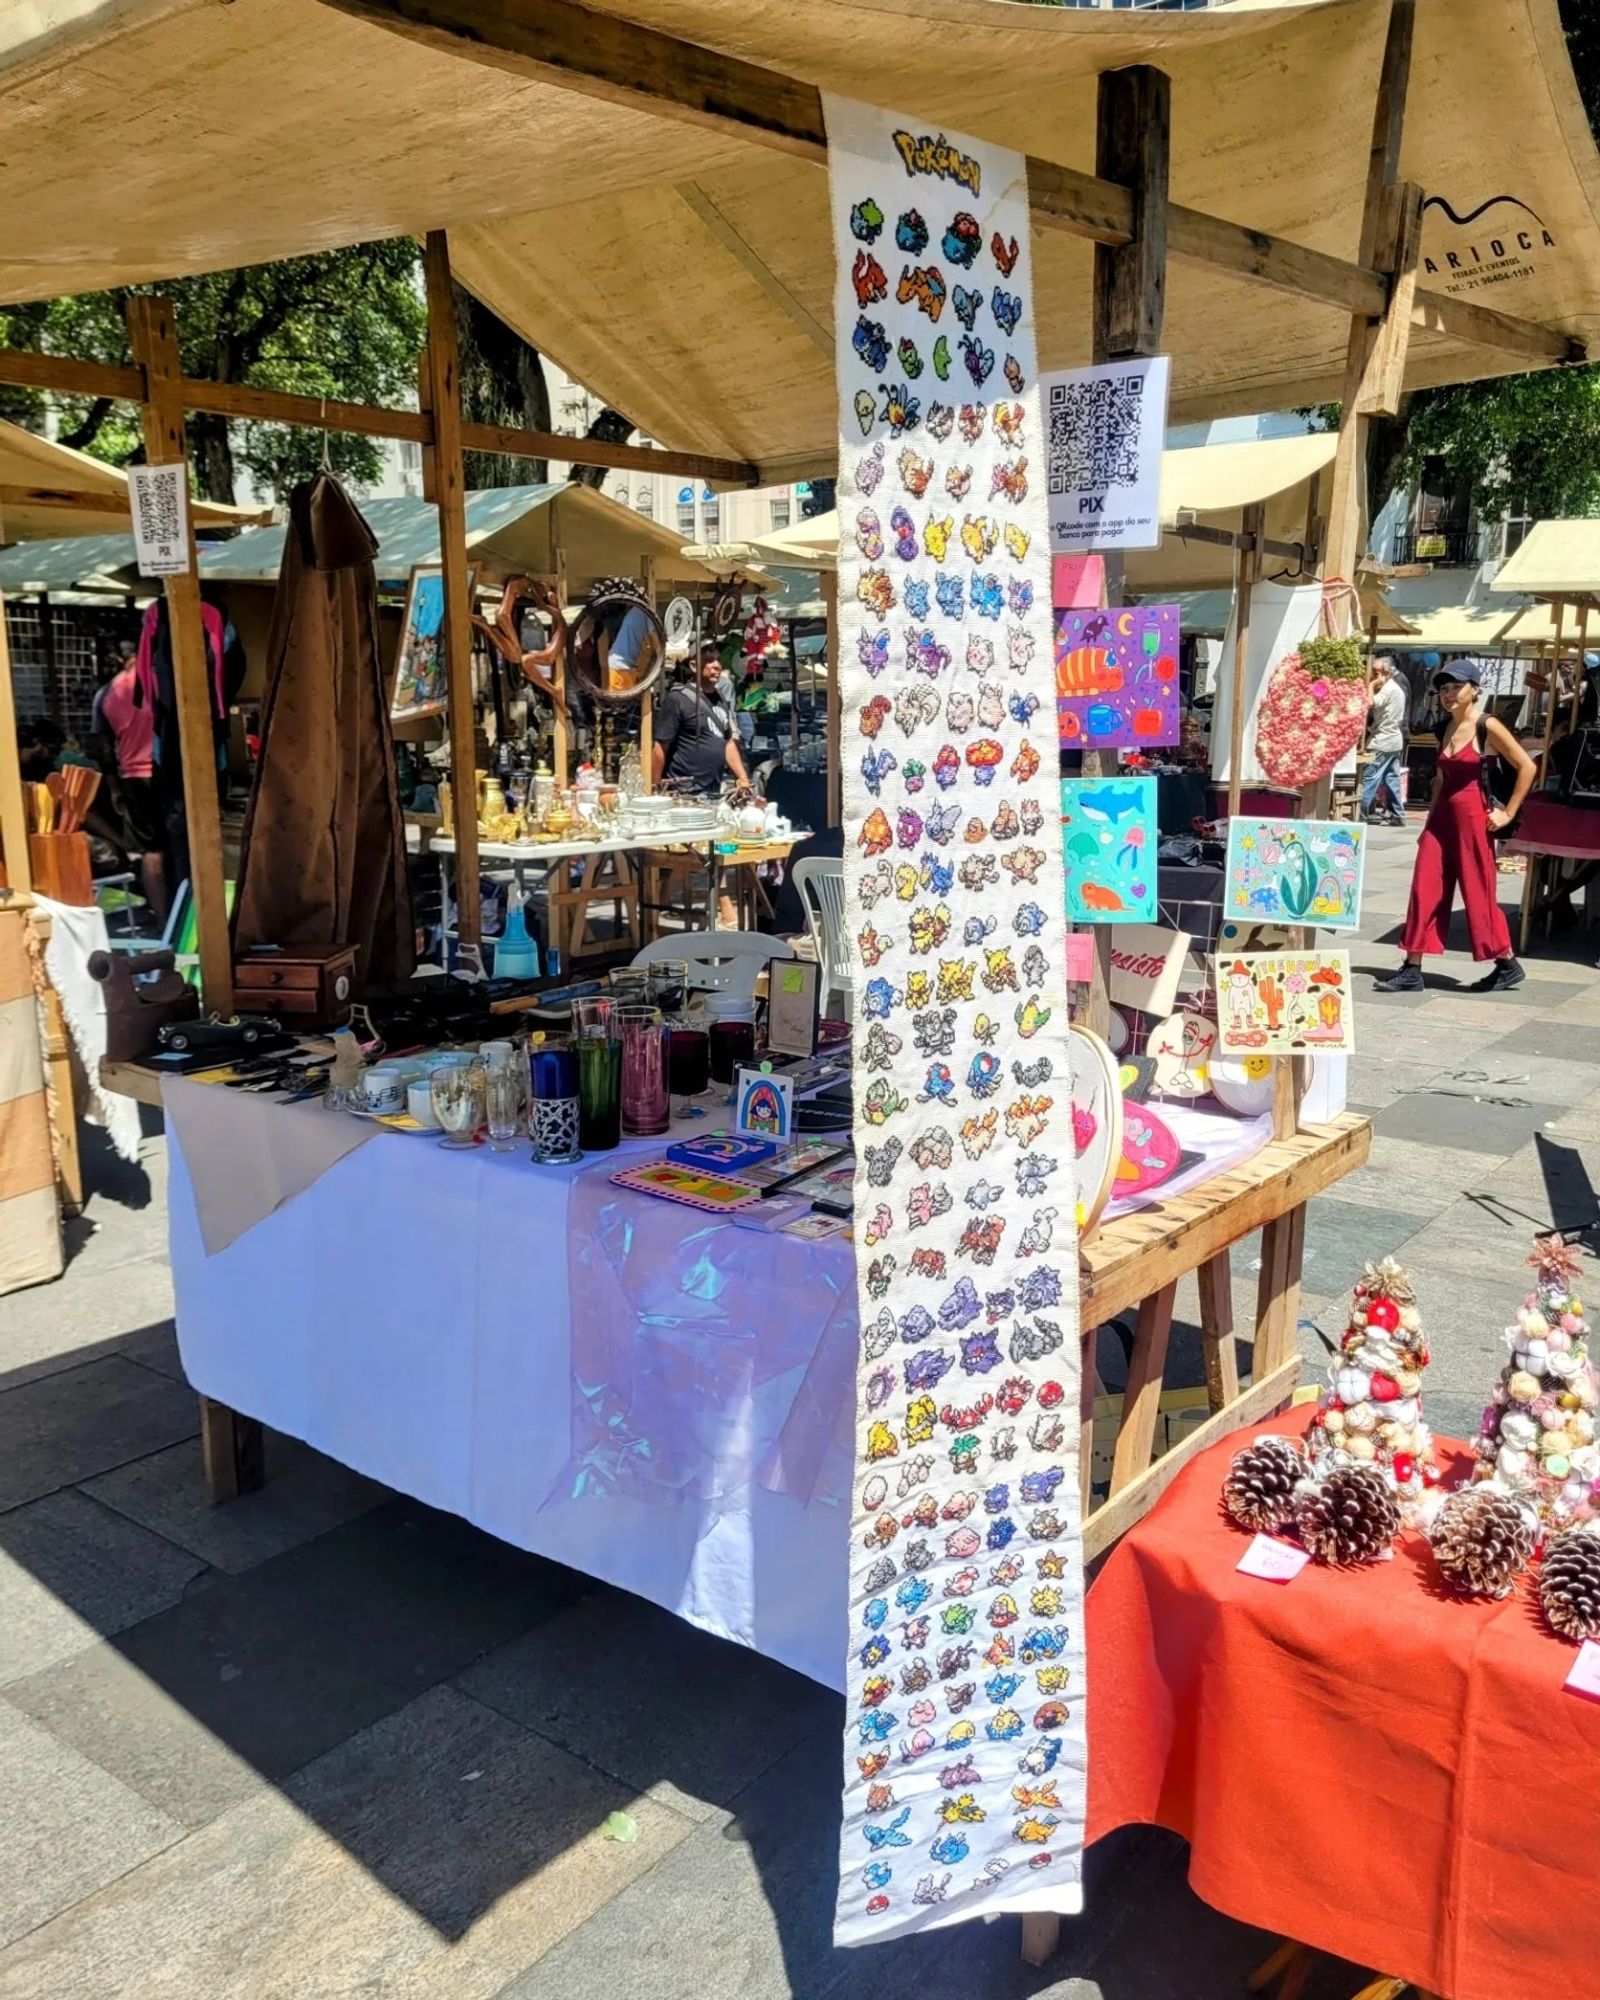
(419, 1102)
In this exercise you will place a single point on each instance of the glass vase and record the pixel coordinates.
(645, 1110)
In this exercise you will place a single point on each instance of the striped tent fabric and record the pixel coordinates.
(30, 1218)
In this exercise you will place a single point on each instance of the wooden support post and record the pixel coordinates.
(1380, 248)
(154, 336)
(1247, 569)
(232, 1452)
(647, 713)
(450, 497)
(1552, 694)
(1577, 669)
(1215, 1280)
(13, 814)
(561, 750)
(829, 584)
(1141, 1400)
(1283, 1243)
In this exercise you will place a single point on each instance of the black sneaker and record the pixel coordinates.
(1404, 979)
(1506, 973)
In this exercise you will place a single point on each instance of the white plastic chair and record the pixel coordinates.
(719, 961)
(819, 883)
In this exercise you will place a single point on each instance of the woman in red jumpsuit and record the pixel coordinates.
(1455, 845)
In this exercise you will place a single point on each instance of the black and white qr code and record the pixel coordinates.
(1094, 432)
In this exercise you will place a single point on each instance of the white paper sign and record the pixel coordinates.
(159, 499)
(966, 1748)
(1146, 964)
(1585, 1675)
(1104, 430)
(1273, 1561)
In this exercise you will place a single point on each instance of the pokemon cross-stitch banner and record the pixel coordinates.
(965, 1751)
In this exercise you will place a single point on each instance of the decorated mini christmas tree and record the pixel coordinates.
(1537, 1441)
(1371, 1412)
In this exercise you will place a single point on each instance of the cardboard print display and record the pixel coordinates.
(420, 675)
(1108, 828)
(1295, 871)
(1117, 677)
(965, 1752)
(1278, 1003)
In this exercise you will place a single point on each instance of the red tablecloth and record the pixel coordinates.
(1550, 827)
(1357, 1759)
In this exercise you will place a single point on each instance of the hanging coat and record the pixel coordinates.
(323, 860)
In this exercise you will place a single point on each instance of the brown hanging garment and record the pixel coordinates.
(323, 860)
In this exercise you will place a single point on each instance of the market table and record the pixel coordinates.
(1358, 1760)
(1550, 829)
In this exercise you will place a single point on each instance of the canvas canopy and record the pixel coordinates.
(686, 275)
(1555, 559)
(38, 480)
(509, 528)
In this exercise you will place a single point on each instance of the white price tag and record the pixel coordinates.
(1585, 1675)
(1272, 1560)
(159, 500)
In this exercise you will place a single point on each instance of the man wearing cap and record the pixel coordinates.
(1385, 742)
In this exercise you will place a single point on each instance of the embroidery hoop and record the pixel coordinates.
(1096, 1086)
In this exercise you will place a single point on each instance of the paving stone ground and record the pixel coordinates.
(325, 1742)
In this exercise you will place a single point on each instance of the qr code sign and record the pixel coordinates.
(1094, 431)
(157, 497)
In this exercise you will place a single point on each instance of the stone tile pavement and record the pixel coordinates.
(325, 1742)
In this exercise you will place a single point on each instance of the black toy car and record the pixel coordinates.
(221, 1038)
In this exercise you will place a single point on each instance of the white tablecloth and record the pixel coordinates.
(410, 1315)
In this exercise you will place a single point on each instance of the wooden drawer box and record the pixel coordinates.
(306, 986)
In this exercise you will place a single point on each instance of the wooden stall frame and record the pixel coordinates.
(1138, 1260)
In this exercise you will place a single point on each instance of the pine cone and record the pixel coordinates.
(1351, 1516)
(1569, 1584)
(1259, 1489)
(1481, 1539)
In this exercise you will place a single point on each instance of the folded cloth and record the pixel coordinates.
(75, 932)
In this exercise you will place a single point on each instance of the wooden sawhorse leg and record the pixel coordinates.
(1215, 1279)
(232, 1452)
(1283, 1248)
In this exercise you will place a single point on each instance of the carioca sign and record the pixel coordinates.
(1495, 243)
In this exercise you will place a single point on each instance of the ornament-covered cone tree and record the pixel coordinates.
(1537, 1439)
(1371, 1411)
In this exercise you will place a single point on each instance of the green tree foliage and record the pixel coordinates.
(347, 324)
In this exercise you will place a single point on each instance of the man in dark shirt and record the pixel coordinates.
(695, 739)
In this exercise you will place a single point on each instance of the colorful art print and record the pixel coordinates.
(1295, 871)
(1117, 677)
(421, 674)
(1276, 1003)
(682, 1184)
(765, 1105)
(815, 1228)
(1150, 1156)
(831, 1184)
(965, 1658)
(721, 1153)
(789, 1167)
(1108, 829)
(1106, 426)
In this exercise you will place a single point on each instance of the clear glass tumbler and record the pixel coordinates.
(457, 1096)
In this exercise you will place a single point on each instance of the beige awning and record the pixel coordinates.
(43, 488)
(1555, 559)
(731, 562)
(687, 276)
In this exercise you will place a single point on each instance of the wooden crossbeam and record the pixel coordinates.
(618, 62)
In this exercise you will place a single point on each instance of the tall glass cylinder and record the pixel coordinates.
(645, 1109)
(599, 1092)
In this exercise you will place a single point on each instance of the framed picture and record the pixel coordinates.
(1295, 871)
(1117, 677)
(420, 678)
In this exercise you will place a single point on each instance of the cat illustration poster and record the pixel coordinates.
(1108, 827)
(1117, 677)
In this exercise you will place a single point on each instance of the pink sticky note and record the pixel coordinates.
(1077, 583)
(1272, 1560)
(1080, 955)
(1585, 1676)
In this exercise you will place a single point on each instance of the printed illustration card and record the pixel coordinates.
(1280, 1002)
(1108, 826)
(1295, 871)
(683, 1184)
(1117, 677)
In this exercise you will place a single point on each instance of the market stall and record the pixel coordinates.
(631, 108)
